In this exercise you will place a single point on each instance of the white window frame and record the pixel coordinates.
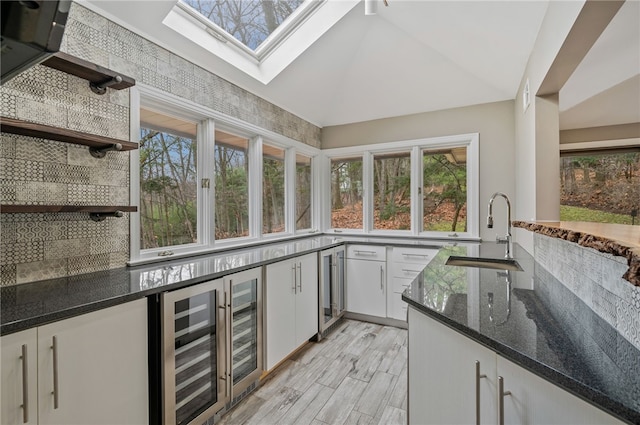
(415, 147)
(208, 121)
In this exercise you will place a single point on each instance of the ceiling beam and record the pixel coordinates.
(589, 25)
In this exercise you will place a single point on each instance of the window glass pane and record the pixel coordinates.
(445, 189)
(231, 186)
(600, 188)
(168, 190)
(272, 189)
(346, 193)
(249, 21)
(303, 192)
(392, 191)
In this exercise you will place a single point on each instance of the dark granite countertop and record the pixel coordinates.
(27, 305)
(537, 323)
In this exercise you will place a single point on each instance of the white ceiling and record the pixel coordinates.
(413, 56)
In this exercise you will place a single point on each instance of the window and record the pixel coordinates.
(204, 184)
(600, 187)
(346, 193)
(168, 195)
(231, 186)
(303, 192)
(248, 21)
(418, 187)
(444, 189)
(273, 190)
(392, 191)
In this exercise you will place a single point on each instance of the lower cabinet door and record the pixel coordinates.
(532, 400)
(366, 287)
(280, 311)
(93, 368)
(306, 298)
(19, 372)
(442, 381)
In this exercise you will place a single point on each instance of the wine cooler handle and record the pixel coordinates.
(25, 385)
(56, 391)
(478, 377)
(223, 377)
(501, 394)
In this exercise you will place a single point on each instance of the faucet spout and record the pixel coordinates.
(507, 239)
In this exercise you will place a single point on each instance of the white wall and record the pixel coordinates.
(537, 128)
(493, 121)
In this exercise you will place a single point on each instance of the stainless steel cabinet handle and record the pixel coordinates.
(411, 271)
(382, 279)
(501, 394)
(56, 391)
(358, 252)
(406, 254)
(25, 385)
(295, 277)
(478, 377)
(300, 276)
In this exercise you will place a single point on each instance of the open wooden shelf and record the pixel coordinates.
(102, 209)
(89, 71)
(25, 128)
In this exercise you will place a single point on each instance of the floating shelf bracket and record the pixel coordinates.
(102, 216)
(102, 152)
(101, 87)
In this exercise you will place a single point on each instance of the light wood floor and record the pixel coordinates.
(357, 375)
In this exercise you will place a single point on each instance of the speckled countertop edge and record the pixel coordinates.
(117, 281)
(600, 243)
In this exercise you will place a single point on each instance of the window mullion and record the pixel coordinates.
(255, 187)
(290, 190)
(416, 190)
(367, 191)
(206, 173)
(134, 174)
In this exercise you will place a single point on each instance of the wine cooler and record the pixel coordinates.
(211, 347)
(332, 299)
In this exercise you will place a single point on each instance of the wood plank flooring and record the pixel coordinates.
(357, 375)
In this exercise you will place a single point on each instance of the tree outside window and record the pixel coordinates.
(392, 191)
(168, 191)
(602, 187)
(346, 193)
(444, 189)
(273, 190)
(231, 186)
(303, 192)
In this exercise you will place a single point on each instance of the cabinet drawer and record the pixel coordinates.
(399, 284)
(407, 270)
(367, 252)
(413, 255)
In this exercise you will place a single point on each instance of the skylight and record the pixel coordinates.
(250, 22)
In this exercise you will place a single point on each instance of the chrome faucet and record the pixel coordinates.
(507, 238)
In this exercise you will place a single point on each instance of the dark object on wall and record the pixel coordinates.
(31, 32)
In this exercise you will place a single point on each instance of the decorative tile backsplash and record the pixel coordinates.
(37, 171)
(596, 279)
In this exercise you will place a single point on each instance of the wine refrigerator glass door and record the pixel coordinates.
(194, 342)
(245, 329)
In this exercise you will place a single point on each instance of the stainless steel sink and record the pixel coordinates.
(485, 263)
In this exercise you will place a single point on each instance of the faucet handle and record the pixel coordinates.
(502, 239)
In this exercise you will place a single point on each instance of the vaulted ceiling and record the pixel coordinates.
(414, 56)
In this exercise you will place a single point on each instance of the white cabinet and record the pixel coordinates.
(86, 369)
(19, 385)
(446, 386)
(406, 264)
(291, 306)
(366, 280)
